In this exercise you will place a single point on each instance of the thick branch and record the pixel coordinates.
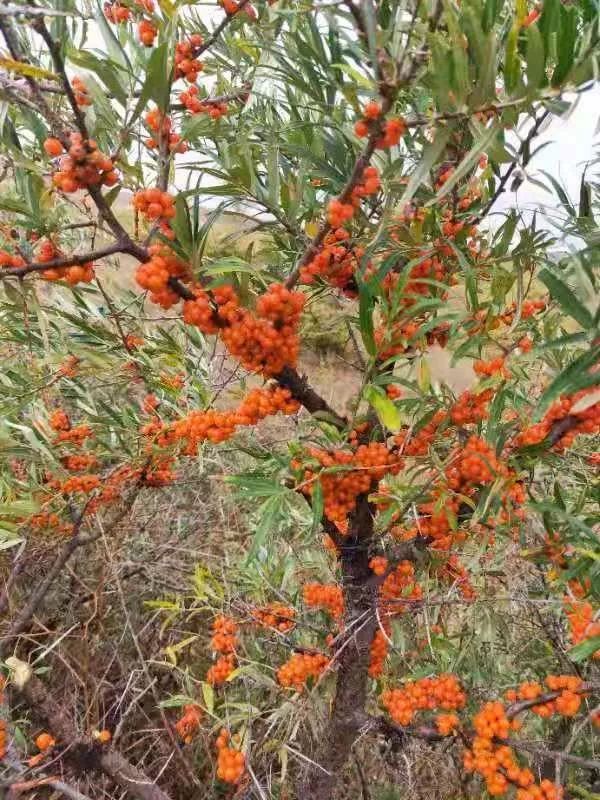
(67, 261)
(290, 379)
(84, 755)
(352, 656)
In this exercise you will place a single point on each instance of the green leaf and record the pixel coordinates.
(431, 154)
(511, 60)
(108, 71)
(576, 376)
(566, 45)
(388, 413)
(567, 299)
(317, 504)
(365, 317)
(269, 513)
(585, 649)
(585, 200)
(224, 266)
(502, 282)
(468, 163)
(182, 225)
(549, 21)
(358, 77)
(158, 77)
(536, 58)
(208, 694)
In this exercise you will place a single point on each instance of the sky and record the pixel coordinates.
(571, 143)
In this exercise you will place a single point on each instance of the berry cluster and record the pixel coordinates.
(147, 32)
(80, 483)
(218, 426)
(566, 703)
(231, 763)
(329, 597)
(275, 615)
(155, 273)
(367, 465)
(452, 571)
(9, 260)
(378, 653)
(399, 589)
(379, 565)
(83, 165)
(231, 7)
(188, 725)
(494, 367)
(79, 462)
(117, 13)
(426, 694)
(336, 262)
(224, 638)
(446, 724)
(221, 670)
(584, 418)
(496, 762)
(78, 273)
(392, 129)
(339, 212)
(160, 127)
(195, 105)
(113, 485)
(44, 741)
(299, 668)
(155, 204)
(69, 367)
(471, 408)
(264, 342)
(186, 64)
(582, 621)
(82, 96)
(476, 464)
(46, 520)
(59, 421)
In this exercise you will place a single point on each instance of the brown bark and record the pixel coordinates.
(348, 715)
(82, 754)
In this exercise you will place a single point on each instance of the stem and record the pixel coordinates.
(347, 716)
(69, 261)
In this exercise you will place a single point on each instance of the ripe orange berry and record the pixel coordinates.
(44, 742)
(53, 147)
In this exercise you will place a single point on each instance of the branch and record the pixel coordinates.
(517, 708)
(23, 618)
(388, 93)
(67, 261)
(528, 747)
(86, 756)
(523, 150)
(95, 192)
(360, 164)
(289, 378)
(400, 733)
(220, 28)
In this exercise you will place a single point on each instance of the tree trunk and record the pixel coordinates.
(347, 715)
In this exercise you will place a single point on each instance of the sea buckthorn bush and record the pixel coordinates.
(231, 567)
